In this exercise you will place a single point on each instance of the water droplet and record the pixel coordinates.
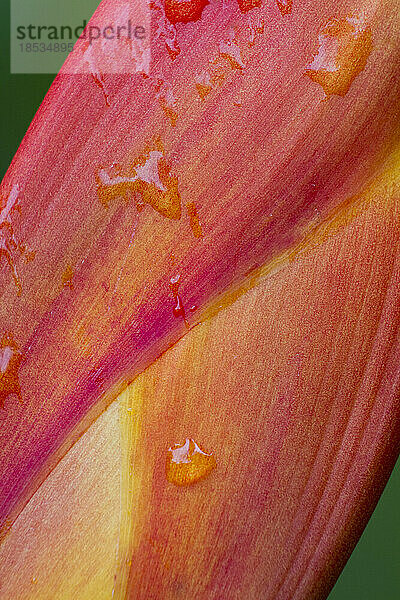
(219, 71)
(165, 30)
(246, 5)
(92, 60)
(178, 309)
(184, 11)
(194, 220)
(8, 242)
(169, 112)
(228, 59)
(256, 28)
(116, 51)
(67, 276)
(10, 362)
(172, 48)
(167, 100)
(188, 463)
(231, 51)
(98, 78)
(285, 6)
(203, 84)
(345, 46)
(148, 181)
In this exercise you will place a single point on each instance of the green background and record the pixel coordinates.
(373, 570)
(45, 13)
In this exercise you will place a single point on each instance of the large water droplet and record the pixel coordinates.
(10, 362)
(188, 463)
(345, 46)
(148, 181)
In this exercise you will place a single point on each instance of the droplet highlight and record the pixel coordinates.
(344, 48)
(10, 361)
(188, 463)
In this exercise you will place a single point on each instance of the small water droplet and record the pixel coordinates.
(8, 242)
(148, 181)
(256, 28)
(246, 5)
(231, 51)
(194, 220)
(92, 58)
(345, 46)
(188, 463)
(172, 48)
(167, 100)
(178, 309)
(228, 59)
(184, 11)
(98, 78)
(169, 112)
(203, 84)
(67, 276)
(165, 30)
(10, 362)
(285, 6)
